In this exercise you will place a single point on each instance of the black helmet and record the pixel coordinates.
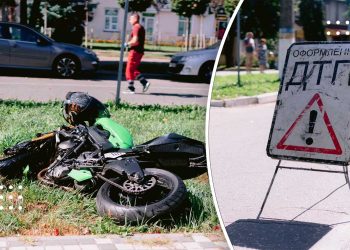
(79, 108)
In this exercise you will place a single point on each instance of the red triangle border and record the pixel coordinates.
(336, 151)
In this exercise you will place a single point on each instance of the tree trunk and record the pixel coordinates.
(188, 33)
(34, 13)
(23, 11)
(4, 11)
(286, 32)
(229, 48)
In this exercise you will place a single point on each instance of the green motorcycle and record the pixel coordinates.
(135, 183)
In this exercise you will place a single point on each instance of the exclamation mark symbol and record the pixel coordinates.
(313, 116)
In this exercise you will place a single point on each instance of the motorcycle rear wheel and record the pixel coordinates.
(168, 194)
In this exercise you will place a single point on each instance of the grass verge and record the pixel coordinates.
(148, 47)
(252, 84)
(49, 211)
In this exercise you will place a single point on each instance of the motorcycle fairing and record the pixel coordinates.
(174, 143)
(125, 167)
(176, 153)
(119, 136)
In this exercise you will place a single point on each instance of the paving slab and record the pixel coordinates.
(109, 242)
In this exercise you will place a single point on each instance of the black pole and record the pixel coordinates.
(238, 18)
(121, 60)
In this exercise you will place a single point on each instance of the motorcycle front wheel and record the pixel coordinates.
(168, 193)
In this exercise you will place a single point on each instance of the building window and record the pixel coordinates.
(182, 28)
(111, 19)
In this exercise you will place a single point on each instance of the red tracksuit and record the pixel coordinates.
(135, 53)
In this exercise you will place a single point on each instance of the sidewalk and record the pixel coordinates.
(114, 242)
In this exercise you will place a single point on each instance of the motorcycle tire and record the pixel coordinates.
(108, 206)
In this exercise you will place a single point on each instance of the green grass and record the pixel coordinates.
(47, 208)
(253, 84)
(115, 54)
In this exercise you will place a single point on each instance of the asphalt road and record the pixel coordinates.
(42, 86)
(303, 209)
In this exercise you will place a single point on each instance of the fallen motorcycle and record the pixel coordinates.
(135, 183)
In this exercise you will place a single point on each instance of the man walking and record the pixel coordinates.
(136, 45)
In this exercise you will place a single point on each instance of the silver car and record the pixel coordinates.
(25, 48)
(195, 63)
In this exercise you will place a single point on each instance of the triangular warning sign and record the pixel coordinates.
(297, 130)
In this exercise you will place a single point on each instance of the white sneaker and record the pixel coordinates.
(129, 91)
(146, 86)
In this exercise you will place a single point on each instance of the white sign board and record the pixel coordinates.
(312, 114)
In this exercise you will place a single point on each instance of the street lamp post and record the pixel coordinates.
(121, 60)
(45, 18)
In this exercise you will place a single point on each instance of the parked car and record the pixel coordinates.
(195, 62)
(25, 48)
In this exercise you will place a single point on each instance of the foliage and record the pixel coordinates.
(137, 5)
(230, 6)
(188, 8)
(260, 17)
(67, 17)
(311, 18)
(225, 87)
(8, 3)
(68, 21)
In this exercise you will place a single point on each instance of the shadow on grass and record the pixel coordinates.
(275, 234)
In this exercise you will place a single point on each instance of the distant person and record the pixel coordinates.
(249, 46)
(136, 45)
(262, 54)
(222, 29)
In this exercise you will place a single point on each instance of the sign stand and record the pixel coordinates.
(279, 166)
(311, 120)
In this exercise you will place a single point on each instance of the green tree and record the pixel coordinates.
(188, 8)
(311, 18)
(137, 5)
(35, 15)
(260, 17)
(230, 6)
(23, 11)
(68, 17)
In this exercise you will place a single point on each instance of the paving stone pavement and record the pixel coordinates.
(114, 242)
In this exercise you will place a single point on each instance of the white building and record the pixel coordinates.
(162, 26)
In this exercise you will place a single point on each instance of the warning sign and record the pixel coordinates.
(312, 113)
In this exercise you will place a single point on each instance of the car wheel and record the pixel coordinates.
(206, 71)
(66, 66)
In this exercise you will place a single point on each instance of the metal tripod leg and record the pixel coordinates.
(346, 175)
(269, 189)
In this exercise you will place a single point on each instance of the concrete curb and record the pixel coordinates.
(245, 100)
